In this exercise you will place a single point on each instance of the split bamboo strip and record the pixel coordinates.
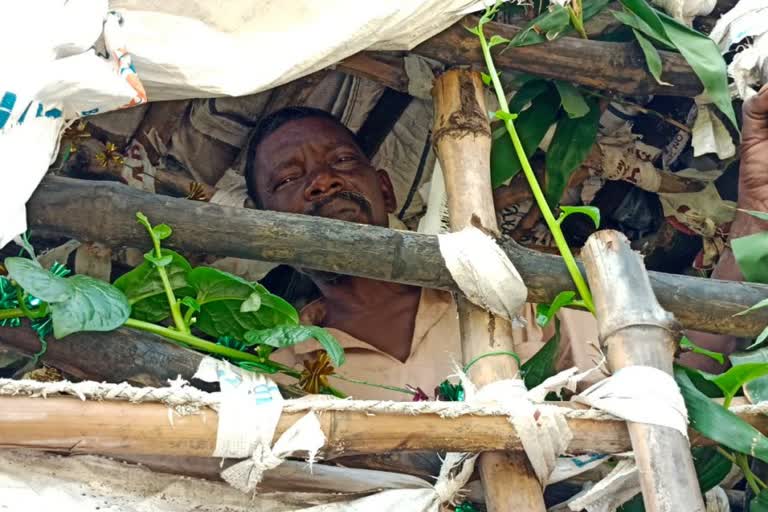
(117, 427)
(462, 136)
(635, 330)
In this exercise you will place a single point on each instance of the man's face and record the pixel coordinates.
(313, 167)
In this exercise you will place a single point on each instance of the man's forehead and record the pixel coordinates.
(293, 135)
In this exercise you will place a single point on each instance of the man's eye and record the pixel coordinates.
(346, 159)
(285, 181)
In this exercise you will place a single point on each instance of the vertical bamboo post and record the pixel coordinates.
(635, 330)
(462, 138)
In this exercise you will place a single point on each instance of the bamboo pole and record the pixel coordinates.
(462, 138)
(65, 423)
(58, 208)
(636, 331)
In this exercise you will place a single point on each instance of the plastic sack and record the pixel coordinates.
(195, 48)
(53, 73)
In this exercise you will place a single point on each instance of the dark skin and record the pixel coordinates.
(312, 166)
(753, 195)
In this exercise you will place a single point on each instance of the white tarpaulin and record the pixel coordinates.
(196, 48)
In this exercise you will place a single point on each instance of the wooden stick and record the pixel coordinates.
(635, 330)
(122, 355)
(462, 138)
(57, 207)
(76, 426)
(618, 67)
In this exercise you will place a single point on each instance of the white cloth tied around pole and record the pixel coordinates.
(641, 394)
(483, 272)
(543, 432)
(248, 414)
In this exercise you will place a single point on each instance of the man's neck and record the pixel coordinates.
(377, 312)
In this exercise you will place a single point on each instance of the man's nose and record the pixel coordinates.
(324, 183)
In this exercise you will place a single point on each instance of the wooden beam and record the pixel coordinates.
(636, 331)
(123, 355)
(618, 67)
(76, 426)
(462, 138)
(68, 207)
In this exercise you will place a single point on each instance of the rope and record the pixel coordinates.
(181, 395)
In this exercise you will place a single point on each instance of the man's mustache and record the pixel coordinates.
(355, 197)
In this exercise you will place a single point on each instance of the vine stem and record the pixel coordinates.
(11, 313)
(202, 345)
(193, 341)
(538, 194)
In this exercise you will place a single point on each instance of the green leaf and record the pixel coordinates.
(590, 211)
(633, 21)
(542, 365)
(93, 306)
(224, 318)
(719, 424)
(760, 339)
(760, 502)
(699, 51)
(572, 100)
(486, 78)
(751, 253)
(759, 215)
(702, 384)
(763, 303)
(531, 126)
(213, 284)
(527, 93)
(144, 281)
(191, 303)
(545, 312)
(756, 390)
(703, 54)
(252, 303)
(689, 345)
(282, 311)
(550, 23)
(37, 281)
(162, 261)
(592, 8)
(731, 381)
(710, 465)
(496, 40)
(570, 146)
(472, 30)
(288, 335)
(652, 57)
(162, 231)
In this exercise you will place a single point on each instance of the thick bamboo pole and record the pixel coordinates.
(66, 423)
(59, 207)
(462, 138)
(636, 331)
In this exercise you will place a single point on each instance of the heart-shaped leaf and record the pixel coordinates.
(144, 281)
(756, 390)
(288, 335)
(252, 303)
(93, 306)
(37, 281)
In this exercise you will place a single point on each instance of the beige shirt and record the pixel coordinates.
(436, 348)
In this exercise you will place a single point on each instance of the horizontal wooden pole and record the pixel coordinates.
(618, 67)
(69, 424)
(70, 207)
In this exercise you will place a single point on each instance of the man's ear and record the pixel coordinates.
(387, 191)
